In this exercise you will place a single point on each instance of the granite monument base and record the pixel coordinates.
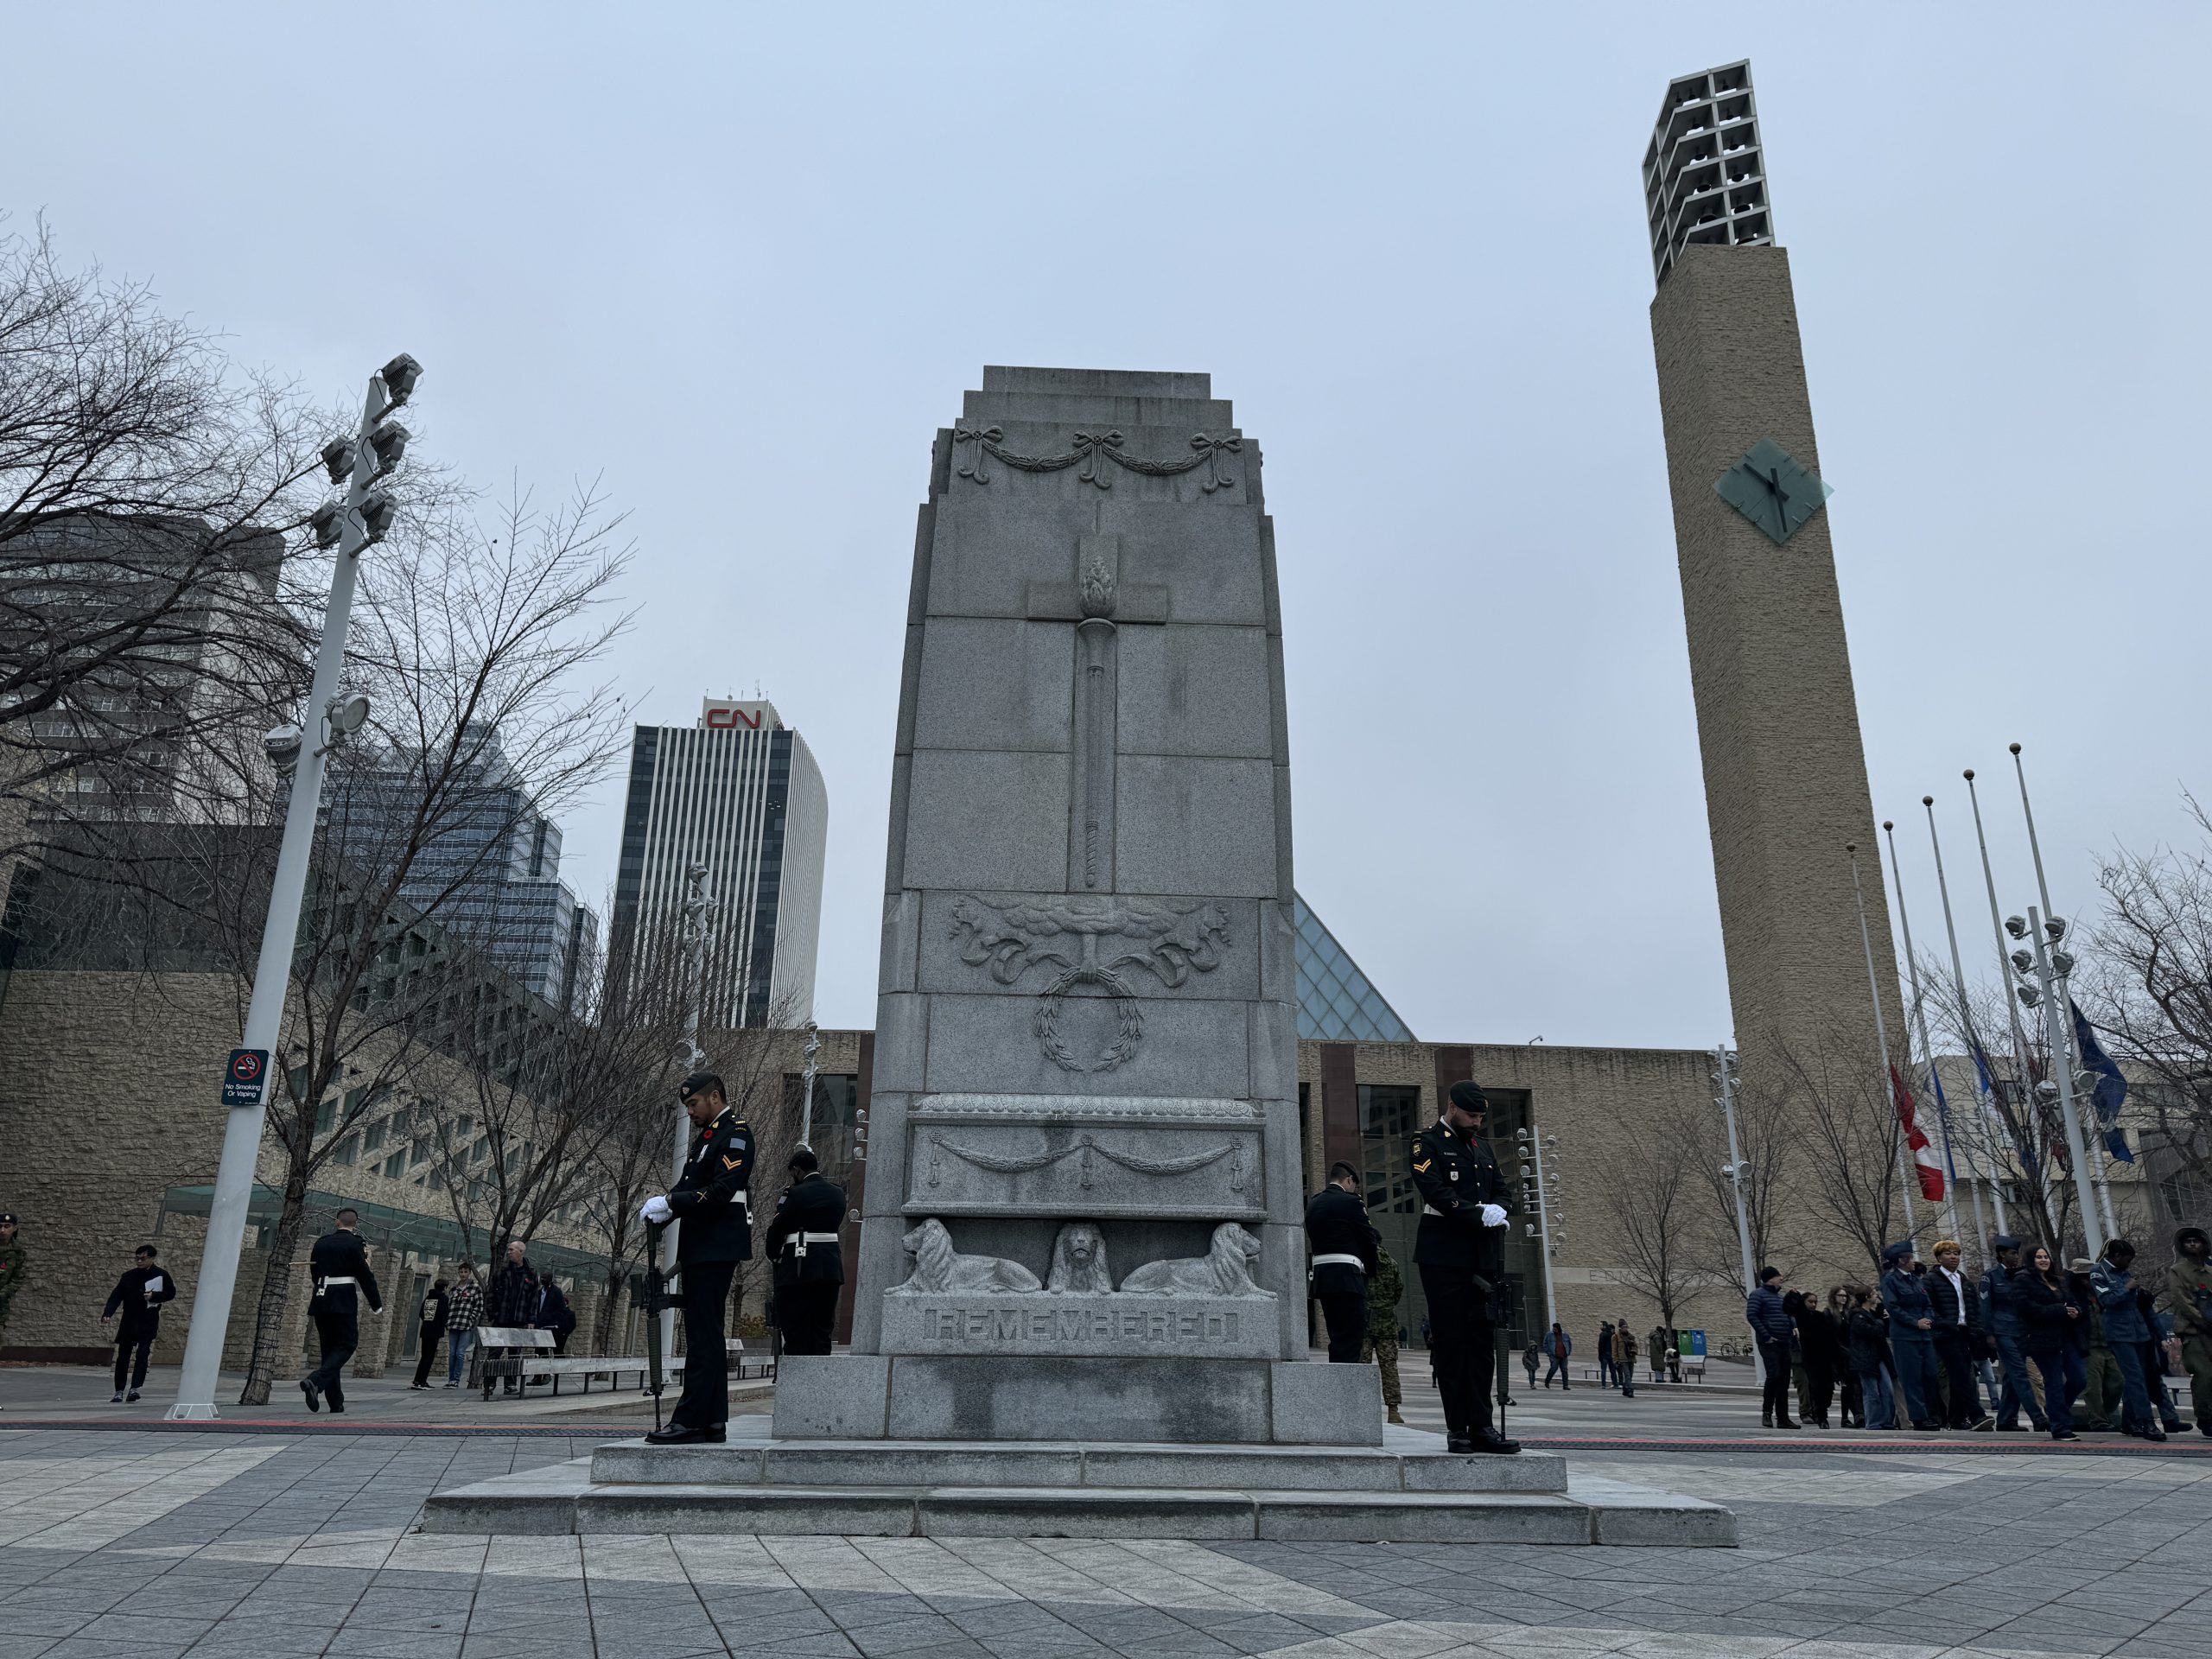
(1002, 1397)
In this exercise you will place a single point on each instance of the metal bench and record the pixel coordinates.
(528, 1357)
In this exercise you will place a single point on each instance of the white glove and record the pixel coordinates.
(1492, 1216)
(656, 1210)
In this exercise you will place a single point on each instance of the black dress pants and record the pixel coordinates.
(705, 1403)
(131, 1348)
(1775, 1357)
(807, 1315)
(1958, 1369)
(425, 1350)
(1460, 1341)
(337, 1324)
(1345, 1315)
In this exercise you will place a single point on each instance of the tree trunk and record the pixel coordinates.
(276, 1287)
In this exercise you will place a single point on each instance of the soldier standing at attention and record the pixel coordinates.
(809, 1263)
(1386, 1289)
(1343, 1251)
(15, 1261)
(340, 1266)
(716, 1234)
(1460, 1250)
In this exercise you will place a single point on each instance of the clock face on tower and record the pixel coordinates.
(1772, 490)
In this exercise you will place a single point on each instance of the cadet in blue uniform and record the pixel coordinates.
(341, 1265)
(1460, 1250)
(711, 1203)
(810, 1262)
(1344, 1245)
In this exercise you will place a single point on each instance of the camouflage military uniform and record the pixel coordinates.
(1386, 1287)
(15, 1263)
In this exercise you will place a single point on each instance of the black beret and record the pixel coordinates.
(697, 1082)
(1468, 1098)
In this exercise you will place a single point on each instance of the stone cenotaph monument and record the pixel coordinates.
(1083, 1203)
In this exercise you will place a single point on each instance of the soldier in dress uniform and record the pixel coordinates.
(1460, 1250)
(1343, 1244)
(340, 1266)
(710, 1201)
(809, 1263)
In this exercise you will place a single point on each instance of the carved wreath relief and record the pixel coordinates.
(1080, 1266)
(1172, 940)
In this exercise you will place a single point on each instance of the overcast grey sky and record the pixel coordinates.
(741, 262)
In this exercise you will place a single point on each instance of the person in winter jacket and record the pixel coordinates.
(1557, 1346)
(1605, 1378)
(2111, 1281)
(2187, 1300)
(1624, 1359)
(2019, 1389)
(2052, 1325)
(1866, 1346)
(137, 1296)
(464, 1314)
(1957, 1302)
(1912, 1339)
(2101, 1394)
(1820, 1343)
(1771, 1328)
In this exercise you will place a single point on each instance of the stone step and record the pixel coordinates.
(959, 1463)
(1112, 383)
(564, 1499)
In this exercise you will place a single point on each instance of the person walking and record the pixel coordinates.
(340, 1263)
(1466, 1203)
(1343, 1244)
(809, 1256)
(1558, 1346)
(431, 1325)
(15, 1262)
(1771, 1328)
(2112, 1282)
(1605, 1378)
(2188, 1299)
(1957, 1303)
(464, 1313)
(1659, 1346)
(1530, 1357)
(1624, 1359)
(710, 1204)
(137, 1296)
(2050, 1324)
(1386, 1287)
(510, 1304)
(2019, 1392)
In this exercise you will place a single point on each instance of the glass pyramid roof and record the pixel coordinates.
(1337, 1003)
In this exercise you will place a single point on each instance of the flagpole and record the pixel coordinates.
(2097, 1171)
(2042, 1166)
(1927, 1048)
(1966, 1017)
(1881, 1032)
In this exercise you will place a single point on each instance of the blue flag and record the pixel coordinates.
(2110, 1092)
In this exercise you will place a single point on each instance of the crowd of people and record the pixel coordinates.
(2079, 1345)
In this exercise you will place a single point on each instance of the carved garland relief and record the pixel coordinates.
(1092, 447)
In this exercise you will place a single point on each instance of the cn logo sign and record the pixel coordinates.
(724, 718)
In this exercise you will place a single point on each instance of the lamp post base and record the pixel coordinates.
(181, 1412)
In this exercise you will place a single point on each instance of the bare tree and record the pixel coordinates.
(146, 484)
(1768, 1143)
(472, 644)
(1840, 1099)
(1654, 1198)
(2149, 987)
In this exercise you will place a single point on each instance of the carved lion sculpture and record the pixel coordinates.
(1079, 1260)
(1225, 1270)
(939, 1267)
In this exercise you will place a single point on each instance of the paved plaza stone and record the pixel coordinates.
(296, 1541)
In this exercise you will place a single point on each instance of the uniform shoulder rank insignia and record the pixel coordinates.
(730, 1163)
(1423, 1165)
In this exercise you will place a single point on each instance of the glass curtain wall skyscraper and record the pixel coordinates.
(739, 792)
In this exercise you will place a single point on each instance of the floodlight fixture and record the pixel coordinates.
(2024, 962)
(346, 713)
(2061, 963)
(2030, 996)
(377, 512)
(338, 459)
(2017, 926)
(2055, 926)
(390, 442)
(324, 521)
(400, 377)
(281, 744)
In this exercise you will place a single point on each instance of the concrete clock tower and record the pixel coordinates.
(1785, 770)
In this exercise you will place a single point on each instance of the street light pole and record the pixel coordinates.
(1725, 1070)
(1881, 1032)
(2090, 1228)
(2011, 1009)
(1533, 1139)
(361, 520)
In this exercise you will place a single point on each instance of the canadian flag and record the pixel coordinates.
(1925, 1163)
